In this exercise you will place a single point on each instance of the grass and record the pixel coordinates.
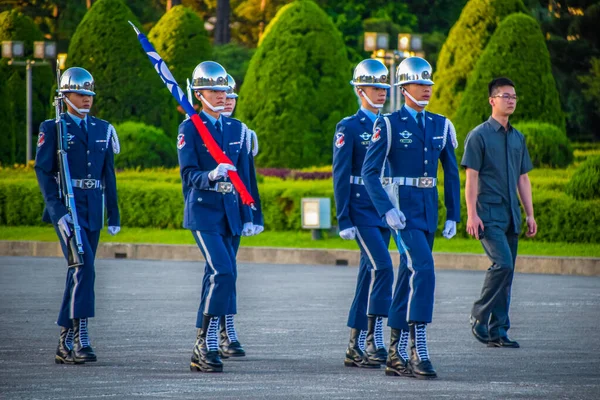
(301, 239)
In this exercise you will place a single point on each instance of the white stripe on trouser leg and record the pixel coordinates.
(74, 290)
(412, 277)
(370, 289)
(364, 245)
(212, 277)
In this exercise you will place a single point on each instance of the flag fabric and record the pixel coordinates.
(213, 148)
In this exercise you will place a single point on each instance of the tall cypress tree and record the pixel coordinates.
(296, 88)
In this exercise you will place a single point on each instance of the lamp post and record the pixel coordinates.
(316, 215)
(409, 45)
(14, 49)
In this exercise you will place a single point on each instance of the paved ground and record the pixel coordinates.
(292, 324)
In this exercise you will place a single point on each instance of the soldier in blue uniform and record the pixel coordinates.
(358, 219)
(90, 146)
(229, 344)
(413, 140)
(213, 209)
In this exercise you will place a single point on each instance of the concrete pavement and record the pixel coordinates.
(292, 322)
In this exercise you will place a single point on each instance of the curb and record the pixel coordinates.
(584, 266)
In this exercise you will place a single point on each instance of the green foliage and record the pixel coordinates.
(592, 84)
(547, 144)
(585, 184)
(16, 26)
(518, 51)
(235, 58)
(296, 88)
(180, 38)
(127, 87)
(463, 47)
(144, 146)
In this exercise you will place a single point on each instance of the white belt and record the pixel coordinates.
(86, 183)
(420, 182)
(222, 187)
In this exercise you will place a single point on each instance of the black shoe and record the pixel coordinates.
(227, 347)
(396, 365)
(503, 342)
(354, 355)
(64, 353)
(479, 330)
(421, 368)
(375, 353)
(205, 356)
(82, 350)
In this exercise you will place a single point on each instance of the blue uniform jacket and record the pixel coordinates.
(89, 157)
(353, 205)
(207, 210)
(413, 154)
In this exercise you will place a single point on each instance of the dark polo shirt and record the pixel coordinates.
(501, 157)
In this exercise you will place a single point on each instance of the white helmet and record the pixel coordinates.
(414, 70)
(209, 75)
(370, 72)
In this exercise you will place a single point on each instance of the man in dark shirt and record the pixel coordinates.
(497, 162)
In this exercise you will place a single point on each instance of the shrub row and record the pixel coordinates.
(160, 205)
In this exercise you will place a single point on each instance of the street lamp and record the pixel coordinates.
(13, 49)
(409, 45)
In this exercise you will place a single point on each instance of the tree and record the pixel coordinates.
(296, 88)
(16, 26)
(222, 33)
(127, 87)
(465, 43)
(518, 51)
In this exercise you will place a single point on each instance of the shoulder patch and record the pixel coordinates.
(41, 139)
(376, 134)
(340, 140)
(180, 141)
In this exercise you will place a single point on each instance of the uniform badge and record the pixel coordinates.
(180, 141)
(365, 136)
(376, 135)
(70, 137)
(405, 137)
(41, 139)
(339, 140)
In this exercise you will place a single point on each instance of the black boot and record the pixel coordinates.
(82, 349)
(64, 351)
(419, 354)
(397, 361)
(229, 345)
(205, 356)
(375, 348)
(354, 355)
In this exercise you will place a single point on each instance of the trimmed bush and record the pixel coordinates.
(585, 184)
(144, 146)
(17, 26)
(518, 51)
(235, 58)
(548, 145)
(180, 38)
(127, 87)
(296, 89)
(463, 47)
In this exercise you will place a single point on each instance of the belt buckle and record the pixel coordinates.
(224, 187)
(89, 183)
(425, 182)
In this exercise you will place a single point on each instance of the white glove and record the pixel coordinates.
(258, 229)
(348, 233)
(395, 219)
(64, 222)
(449, 229)
(220, 171)
(113, 230)
(248, 229)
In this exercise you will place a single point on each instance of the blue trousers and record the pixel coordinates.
(415, 285)
(218, 284)
(373, 293)
(79, 299)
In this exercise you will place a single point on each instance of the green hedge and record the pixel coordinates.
(144, 146)
(547, 144)
(585, 184)
(160, 205)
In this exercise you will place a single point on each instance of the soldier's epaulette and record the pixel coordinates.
(387, 114)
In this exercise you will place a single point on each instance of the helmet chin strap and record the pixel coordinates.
(421, 103)
(79, 110)
(226, 113)
(215, 109)
(369, 100)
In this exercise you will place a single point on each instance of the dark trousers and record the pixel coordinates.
(373, 293)
(415, 285)
(500, 244)
(78, 298)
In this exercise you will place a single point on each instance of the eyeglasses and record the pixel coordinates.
(508, 97)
